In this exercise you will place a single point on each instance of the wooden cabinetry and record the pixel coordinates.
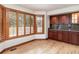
(52, 34)
(62, 24)
(78, 38)
(75, 18)
(64, 19)
(66, 36)
(73, 37)
(53, 20)
(60, 35)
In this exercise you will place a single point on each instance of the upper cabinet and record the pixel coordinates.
(64, 19)
(75, 18)
(75, 21)
(68, 21)
(54, 20)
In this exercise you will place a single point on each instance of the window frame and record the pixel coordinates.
(42, 25)
(6, 24)
(1, 26)
(17, 23)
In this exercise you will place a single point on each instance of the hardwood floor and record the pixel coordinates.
(44, 47)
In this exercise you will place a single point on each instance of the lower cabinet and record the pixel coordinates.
(50, 34)
(74, 37)
(78, 38)
(66, 36)
(54, 35)
(60, 35)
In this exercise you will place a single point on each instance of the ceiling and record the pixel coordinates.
(45, 7)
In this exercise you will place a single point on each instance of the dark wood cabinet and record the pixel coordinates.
(75, 18)
(64, 19)
(55, 34)
(50, 34)
(60, 35)
(53, 20)
(77, 38)
(66, 36)
(66, 27)
(73, 37)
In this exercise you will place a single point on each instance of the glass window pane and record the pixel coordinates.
(32, 24)
(12, 23)
(39, 23)
(20, 24)
(27, 24)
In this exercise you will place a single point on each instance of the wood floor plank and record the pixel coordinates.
(44, 47)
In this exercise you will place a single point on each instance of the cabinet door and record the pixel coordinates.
(73, 37)
(50, 34)
(60, 35)
(75, 18)
(65, 36)
(54, 35)
(53, 20)
(70, 37)
(64, 19)
(0, 24)
(20, 24)
(78, 38)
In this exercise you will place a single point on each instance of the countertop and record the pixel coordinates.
(64, 30)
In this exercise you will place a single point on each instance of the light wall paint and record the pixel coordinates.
(69, 9)
(13, 6)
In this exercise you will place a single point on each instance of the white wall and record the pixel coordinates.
(16, 41)
(64, 10)
(17, 7)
